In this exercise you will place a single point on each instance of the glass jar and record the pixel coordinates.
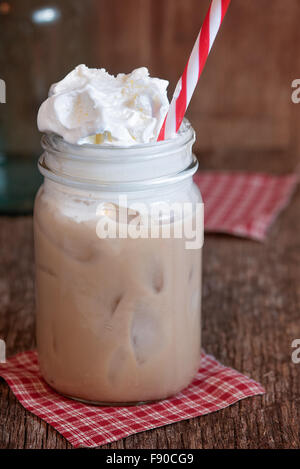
(118, 316)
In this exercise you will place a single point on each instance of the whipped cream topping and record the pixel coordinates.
(92, 106)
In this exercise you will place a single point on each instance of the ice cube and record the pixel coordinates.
(69, 236)
(146, 334)
(116, 366)
(154, 274)
(157, 279)
(115, 302)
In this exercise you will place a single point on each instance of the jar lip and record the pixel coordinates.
(54, 142)
(113, 167)
(117, 186)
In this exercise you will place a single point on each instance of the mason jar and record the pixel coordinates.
(118, 241)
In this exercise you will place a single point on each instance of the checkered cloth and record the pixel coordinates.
(214, 388)
(243, 204)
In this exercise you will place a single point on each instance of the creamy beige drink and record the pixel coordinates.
(118, 319)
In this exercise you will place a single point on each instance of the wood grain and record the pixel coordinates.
(251, 301)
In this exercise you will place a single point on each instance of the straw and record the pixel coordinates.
(187, 83)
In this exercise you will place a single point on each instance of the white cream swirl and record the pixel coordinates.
(91, 106)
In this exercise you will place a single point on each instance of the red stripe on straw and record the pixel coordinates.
(161, 135)
(204, 43)
(225, 5)
(181, 100)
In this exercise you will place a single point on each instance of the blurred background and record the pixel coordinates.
(242, 109)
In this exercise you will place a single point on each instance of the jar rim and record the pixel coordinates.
(108, 167)
(91, 152)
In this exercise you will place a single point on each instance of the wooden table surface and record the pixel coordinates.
(251, 300)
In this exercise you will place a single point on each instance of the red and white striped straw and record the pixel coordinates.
(187, 83)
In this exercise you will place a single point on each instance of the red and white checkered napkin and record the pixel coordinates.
(214, 388)
(243, 204)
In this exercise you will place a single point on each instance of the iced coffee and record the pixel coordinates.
(118, 317)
